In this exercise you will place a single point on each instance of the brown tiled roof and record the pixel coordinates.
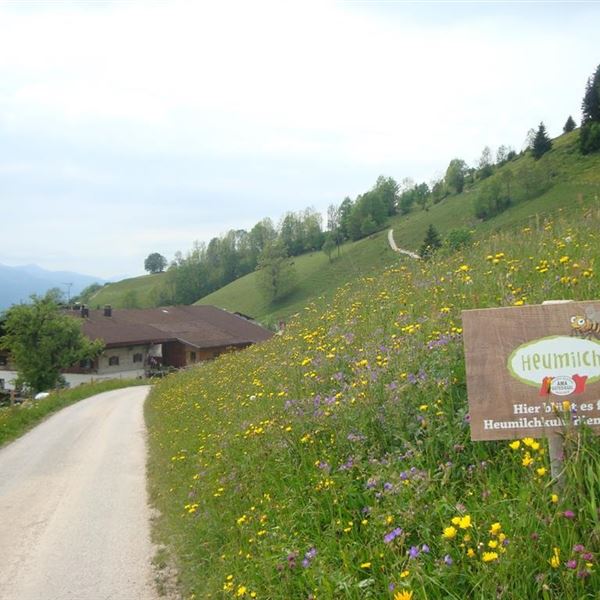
(199, 326)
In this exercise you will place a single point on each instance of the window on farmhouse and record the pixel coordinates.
(138, 357)
(113, 361)
(3, 361)
(192, 357)
(86, 363)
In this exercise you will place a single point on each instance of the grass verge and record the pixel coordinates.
(334, 461)
(16, 420)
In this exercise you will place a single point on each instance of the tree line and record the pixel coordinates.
(207, 267)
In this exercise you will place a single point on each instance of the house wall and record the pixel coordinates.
(173, 354)
(125, 355)
(176, 354)
(102, 370)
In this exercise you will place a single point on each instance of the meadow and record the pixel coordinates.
(334, 461)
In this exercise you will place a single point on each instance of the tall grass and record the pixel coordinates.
(335, 461)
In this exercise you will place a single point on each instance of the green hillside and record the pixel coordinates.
(573, 179)
(335, 461)
(136, 292)
(316, 275)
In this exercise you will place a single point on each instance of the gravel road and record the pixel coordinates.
(74, 519)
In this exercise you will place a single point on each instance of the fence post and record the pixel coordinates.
(556, 445)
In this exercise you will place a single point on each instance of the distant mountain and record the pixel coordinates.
(18, 283)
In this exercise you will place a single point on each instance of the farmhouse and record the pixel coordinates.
(137, 341)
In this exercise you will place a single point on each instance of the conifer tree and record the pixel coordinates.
(541, 143)
(590, 106)
(431, 242)
(589, 138)
(569, 125)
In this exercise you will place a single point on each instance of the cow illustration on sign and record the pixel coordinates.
(587, 326)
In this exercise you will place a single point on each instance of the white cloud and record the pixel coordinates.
(265, 103)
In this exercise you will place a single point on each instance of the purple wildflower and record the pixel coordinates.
(583, 574)
(425, 548)
(572, 564)
(448, 560)
(392, 535)
(413, 552)
(569, 514)
(587, 556)
(308, 557)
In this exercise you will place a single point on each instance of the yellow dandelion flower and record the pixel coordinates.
(465, 522)
(495, 528)
(365, 565)
(403, 595)
(527, 460)
(489, 556)
(515, 445)
(449, 532)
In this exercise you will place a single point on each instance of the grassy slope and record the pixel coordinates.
(322, 444)
(576, 177)
(144, 287)
(316, 275)
(577, 180)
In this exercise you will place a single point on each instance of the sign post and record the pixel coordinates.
(533, 371)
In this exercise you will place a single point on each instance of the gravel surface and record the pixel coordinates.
(74, 518)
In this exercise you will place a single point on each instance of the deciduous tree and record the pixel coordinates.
(276, 275)
(455, 175)
(155, 263)
(42, 341)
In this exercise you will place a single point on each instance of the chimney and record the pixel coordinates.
(108, 310)
(85, 311)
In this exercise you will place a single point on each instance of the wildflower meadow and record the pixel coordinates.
(335, 461)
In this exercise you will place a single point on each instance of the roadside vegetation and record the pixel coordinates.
(20, 418)
(334, 461)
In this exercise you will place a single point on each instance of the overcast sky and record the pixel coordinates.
(128, 128)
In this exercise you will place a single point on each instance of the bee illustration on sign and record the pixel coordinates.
(587, 326)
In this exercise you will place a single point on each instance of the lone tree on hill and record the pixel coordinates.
(431, 242)
(455, 175)
(589, 139)
(276, 276)
(329, 246)
(541, 143)
(42, 341)
(155, 263)
(569, 125)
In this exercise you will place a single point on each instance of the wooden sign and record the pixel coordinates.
(532, 369)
